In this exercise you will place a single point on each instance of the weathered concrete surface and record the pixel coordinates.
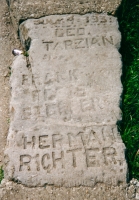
(7, 42)
(14, 191)
(65, 103)
(4, 89)
(22, 9)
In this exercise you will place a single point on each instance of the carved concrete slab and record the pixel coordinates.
(65, 103)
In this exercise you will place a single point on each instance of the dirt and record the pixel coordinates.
(7, 42)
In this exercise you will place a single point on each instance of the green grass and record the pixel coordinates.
(129, 26)
(1, 174)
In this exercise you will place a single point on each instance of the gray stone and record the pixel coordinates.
(65, 103)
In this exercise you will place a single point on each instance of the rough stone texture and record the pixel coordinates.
(65, 103)
(7, 42)
(14, 191)
(23, 9)
(4, 89)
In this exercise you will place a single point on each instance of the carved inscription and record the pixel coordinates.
(76, 33)
(80, 43)
(66, 103)
(54, 106)
(58, 147)
(24, 161)
(76, 21)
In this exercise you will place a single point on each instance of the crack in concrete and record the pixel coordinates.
(33, 79)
